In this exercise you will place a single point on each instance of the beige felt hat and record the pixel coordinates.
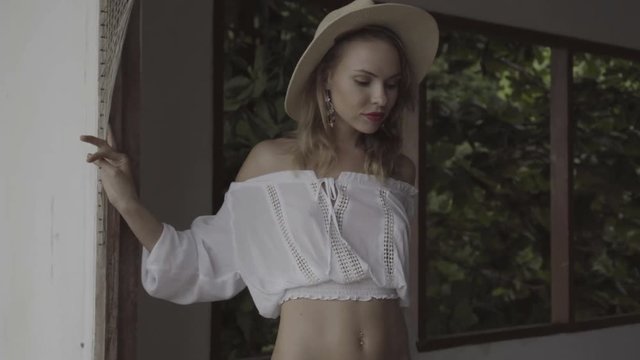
(416, 28)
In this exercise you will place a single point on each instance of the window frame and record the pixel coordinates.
(561, 133)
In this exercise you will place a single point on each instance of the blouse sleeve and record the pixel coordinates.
(194, 265)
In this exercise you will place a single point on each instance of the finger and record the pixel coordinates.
(94, 140)
(107, 154)
(103, 164)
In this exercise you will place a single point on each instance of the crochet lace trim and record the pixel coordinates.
(362, 290)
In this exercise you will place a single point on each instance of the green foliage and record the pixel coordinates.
(260, 55)
(259, 60)
(488, 196)
(606, 186)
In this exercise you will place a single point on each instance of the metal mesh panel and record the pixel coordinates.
(114, 18)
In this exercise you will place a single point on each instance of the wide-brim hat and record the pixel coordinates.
(416, 28)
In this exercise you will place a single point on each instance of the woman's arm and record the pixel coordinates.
(192, 265)
(142, 223)
(117, 182)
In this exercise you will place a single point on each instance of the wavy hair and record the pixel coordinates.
(315, 142)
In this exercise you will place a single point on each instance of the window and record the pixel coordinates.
(606, 187)
(487, 150)
(516, 245)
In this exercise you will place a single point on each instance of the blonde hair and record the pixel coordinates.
(315, 144)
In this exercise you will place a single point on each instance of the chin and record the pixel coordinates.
(369, 129)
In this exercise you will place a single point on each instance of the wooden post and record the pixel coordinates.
(561, 187)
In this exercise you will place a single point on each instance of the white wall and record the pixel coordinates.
(48, 97)
(175, 173)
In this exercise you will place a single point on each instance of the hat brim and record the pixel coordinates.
(416, 28)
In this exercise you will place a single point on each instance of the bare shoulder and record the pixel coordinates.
(266, 157)
(405, 169)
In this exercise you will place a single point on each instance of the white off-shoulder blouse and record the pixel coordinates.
(290, 234)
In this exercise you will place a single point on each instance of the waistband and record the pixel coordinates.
(365, 289)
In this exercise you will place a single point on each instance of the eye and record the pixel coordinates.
(362, 82)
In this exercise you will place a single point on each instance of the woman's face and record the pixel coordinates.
(364, 83)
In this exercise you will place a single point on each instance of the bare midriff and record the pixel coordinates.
(340, 330)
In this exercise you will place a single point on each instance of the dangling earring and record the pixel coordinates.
(331, 111)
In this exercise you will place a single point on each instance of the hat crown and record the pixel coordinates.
(337, 13)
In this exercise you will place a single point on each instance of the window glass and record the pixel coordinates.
(487, 151)
(606, 198)
(263, 41)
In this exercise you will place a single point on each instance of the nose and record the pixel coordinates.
(379, 96)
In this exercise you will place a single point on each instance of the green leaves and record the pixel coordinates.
(607, 183)
(488, 199)
(258, 63)
(237, 92)
(487, 156)
(260, 54)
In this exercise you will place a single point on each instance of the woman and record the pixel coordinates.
(316, 225)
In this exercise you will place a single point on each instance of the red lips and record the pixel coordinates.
(375, 116)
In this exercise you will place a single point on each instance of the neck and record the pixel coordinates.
(346, 138)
